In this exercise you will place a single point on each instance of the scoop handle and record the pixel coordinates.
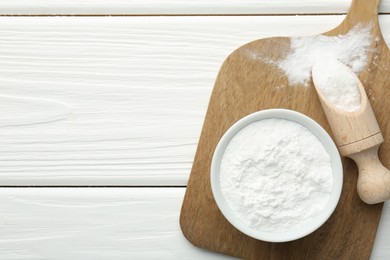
(374, 179)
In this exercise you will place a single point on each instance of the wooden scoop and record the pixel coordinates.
(357, 136)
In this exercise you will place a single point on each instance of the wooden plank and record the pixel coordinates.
(245, 85)
(97, 223)
(381, 248)
(61, 122)
(93, 224)
(115, 100)
(176, 7)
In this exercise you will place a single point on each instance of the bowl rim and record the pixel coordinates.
(322, 136)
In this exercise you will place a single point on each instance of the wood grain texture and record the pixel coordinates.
(174, 7)
(79, 223)
(115, 100)
(245, 85)
(381, 250)
(94, 224)
(101, 223)
(63, 72)
(115, 223)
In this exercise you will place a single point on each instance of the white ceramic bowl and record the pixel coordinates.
(326, 141)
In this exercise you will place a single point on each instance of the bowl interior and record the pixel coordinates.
(322, 136)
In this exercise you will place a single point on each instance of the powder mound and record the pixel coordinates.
(338, 84)
(276, 175)
(351, 49)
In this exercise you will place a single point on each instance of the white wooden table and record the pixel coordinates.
(92, 103)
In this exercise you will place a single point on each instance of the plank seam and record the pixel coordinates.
(93, 186)
(171, 15)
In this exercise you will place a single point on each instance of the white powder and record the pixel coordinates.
(338, 83)
(351, 49)
(276, 175)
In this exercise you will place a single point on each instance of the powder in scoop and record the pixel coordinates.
(276, 175)
(351, 49)
(337, 83)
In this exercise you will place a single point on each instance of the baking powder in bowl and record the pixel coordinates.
(276, 175)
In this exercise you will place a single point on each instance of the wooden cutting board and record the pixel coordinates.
(244, 86)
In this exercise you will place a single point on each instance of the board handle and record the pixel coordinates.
(363, 11)
(360, 12)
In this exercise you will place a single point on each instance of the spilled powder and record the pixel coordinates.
(276, 175)
(351, 49)
(338, 83)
